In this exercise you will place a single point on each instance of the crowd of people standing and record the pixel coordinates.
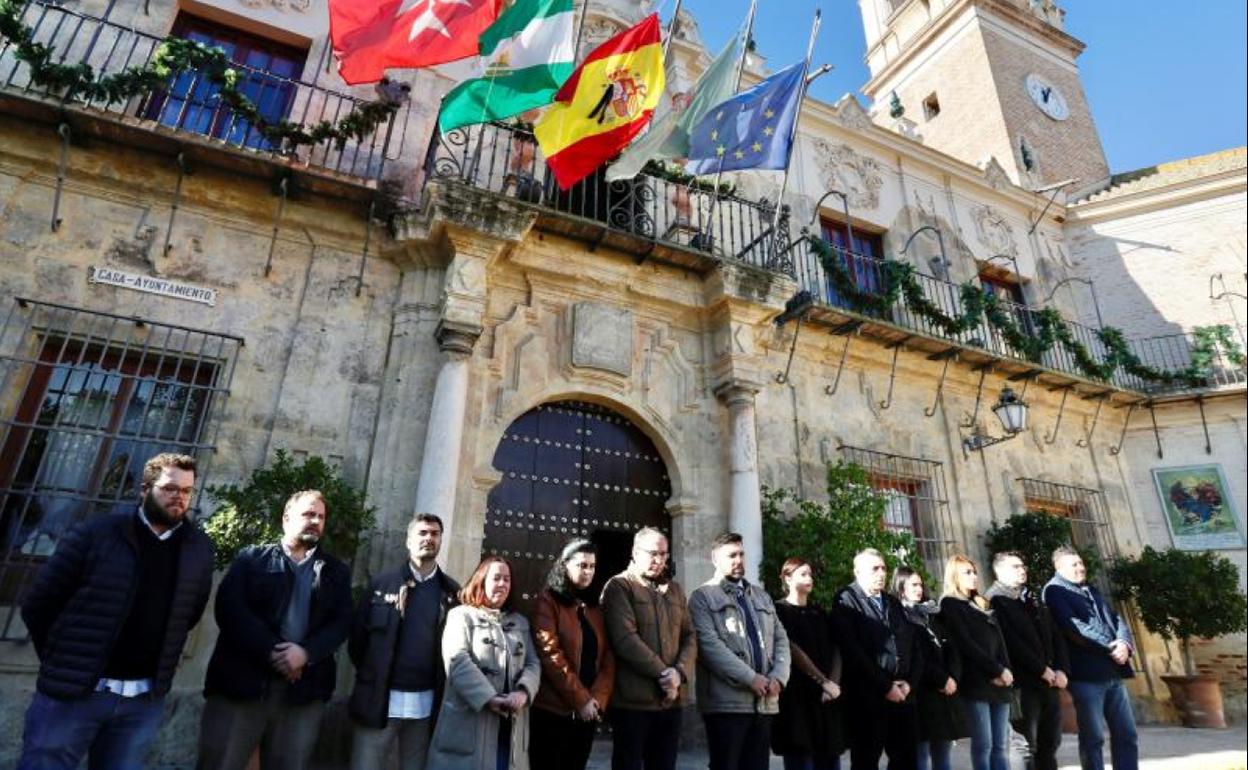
(454, 678)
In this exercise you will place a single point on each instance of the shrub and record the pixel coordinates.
(252, 514)
(1034, 536)
(829, 534)
(1182, 595)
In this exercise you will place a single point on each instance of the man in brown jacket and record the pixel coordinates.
(651, 633)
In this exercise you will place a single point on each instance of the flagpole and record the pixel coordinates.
(736, 84)
(801, 95)
(671, 31)
(580, 27)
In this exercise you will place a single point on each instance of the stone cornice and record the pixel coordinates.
(1168, 196)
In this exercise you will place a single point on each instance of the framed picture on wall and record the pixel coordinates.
(1199, 507)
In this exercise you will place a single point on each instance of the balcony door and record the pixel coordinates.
(269, 72)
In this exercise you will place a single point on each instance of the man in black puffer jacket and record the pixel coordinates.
(283, 610)
(109, 614)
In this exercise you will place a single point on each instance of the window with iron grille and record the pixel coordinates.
(917, 502)
(87, 397)
(1084, 508)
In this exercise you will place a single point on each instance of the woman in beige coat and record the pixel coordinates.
(492, 674)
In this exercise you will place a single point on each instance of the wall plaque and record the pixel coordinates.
(602, 338)
(150, 285)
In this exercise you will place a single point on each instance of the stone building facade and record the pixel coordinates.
(531, 365)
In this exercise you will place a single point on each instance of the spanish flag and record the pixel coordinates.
(606, 102)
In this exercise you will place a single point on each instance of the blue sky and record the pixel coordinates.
(1165, 80)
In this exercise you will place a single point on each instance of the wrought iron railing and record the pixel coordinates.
(505, 159)
(188, 102)
(1171, 353)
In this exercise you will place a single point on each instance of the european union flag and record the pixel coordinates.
(750, 130)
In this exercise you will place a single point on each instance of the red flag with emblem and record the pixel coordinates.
(369, 36)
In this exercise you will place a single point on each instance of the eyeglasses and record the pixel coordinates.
(173, 489)
(653, 554)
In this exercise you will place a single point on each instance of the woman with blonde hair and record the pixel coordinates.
(492, 674)
(986, 683)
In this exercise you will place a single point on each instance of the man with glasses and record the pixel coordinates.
(108, 615)
(651, 634)
(283, 610)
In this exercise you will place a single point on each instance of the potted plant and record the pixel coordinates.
(1185, 595)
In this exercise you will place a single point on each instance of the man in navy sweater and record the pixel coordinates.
(1100, 658)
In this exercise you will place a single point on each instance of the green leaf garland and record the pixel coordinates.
(897, 281)
(174, 56)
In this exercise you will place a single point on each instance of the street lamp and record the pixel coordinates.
(1011, 411)
(1096, 304)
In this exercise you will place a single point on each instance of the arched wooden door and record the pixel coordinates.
(572, 469)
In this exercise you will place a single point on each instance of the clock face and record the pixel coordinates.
(1047, 97)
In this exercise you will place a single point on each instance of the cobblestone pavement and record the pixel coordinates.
(1161, 748)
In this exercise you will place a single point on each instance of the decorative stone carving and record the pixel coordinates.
(849, 113)
(599, 30)
(925, 209)
(858, 176)
(669, 382)
(995, 176)
(602, 338)
(993, 230)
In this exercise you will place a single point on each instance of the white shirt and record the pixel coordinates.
(306, 555)
(413, 705)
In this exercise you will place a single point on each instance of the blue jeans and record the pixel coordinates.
(111, 731)
(1094, 700)
(807, 762)
(990, 734)
(935, 755)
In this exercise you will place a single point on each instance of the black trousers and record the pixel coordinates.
(644, 740)
(738, 741)
(1040, 725)
(878, 727)
(559, 742)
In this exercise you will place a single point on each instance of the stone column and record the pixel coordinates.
(745, 507)
(439, 466)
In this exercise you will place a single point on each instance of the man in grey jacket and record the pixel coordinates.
(743, 661)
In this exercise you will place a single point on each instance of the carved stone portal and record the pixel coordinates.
(602, 338)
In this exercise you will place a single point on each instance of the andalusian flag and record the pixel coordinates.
(606, 102)
(526, 55)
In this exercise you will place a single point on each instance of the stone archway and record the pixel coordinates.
(572, 469)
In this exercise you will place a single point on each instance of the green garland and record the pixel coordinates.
(897, 280)
(173, 56)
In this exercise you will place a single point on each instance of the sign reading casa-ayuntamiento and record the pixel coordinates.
(147, 283)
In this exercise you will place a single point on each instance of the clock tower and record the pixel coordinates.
(985, 78)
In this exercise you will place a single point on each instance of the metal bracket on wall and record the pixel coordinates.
(180, 160)
(1117, 450)
(1100, 399)
(847, 330)
(1200, 402)
(794, 310)
(1051, 436)
(63, 131)
(368, 232)
(283, 189)
(783, 377)
(892, 374)
(1156, 433)
(947, 356)
(979, 396)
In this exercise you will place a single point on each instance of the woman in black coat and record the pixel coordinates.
(807, 732)
(941, 716)
(986, 682)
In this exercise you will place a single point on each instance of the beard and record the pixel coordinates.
(309, 539)
(157, 514)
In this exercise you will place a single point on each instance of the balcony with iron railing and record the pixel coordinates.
(186, 113)
(661, 216)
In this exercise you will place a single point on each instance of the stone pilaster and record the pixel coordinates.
(745, 511)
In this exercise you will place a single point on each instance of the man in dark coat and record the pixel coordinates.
(109, 614)
(396, 647)
(878, 649)
(283, 609)
(1038, 659)
(1100, 658)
